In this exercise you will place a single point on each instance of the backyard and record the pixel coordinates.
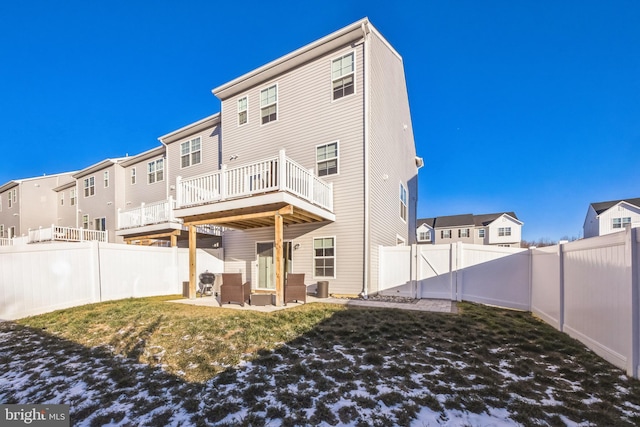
(150, 362)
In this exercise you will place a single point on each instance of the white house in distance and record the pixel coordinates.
(612, 216)
(498, 229)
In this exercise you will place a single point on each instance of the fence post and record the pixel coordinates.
(633, 361)
(561, 286)
(417, 291)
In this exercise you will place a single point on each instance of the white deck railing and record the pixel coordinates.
(273, 174)
(56, 234)
(158, 213)
(146, 214)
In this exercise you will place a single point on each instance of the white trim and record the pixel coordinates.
(267, 87)
(257, 266)
(86, 187)
(337, 142)
(190, 140)
(133, 179)
(405, 202)
(335, 256)
(155, 170)
(354, 73)
(238, 124)
(105, 179)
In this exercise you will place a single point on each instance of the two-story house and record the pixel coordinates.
(611, 216)
(498, 229)
(31, 203)
(314, 167)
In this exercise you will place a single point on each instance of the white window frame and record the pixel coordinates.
(424, 236)
(72, 196)
(105, 178)
(1, 231)
(11, 232)
(62, 198)
(481, 233)
(89, 186)
(445, 234)
(326, 160)
(156, 171)
(463, 232)
(341, 76)
(404, 203)
(245, 110)
(190, 143)
(15, 195)
(0, 206)
(504, 231)
(133, 176)
(334, 257)
(268, 104)
(620, 222)
(85, 222)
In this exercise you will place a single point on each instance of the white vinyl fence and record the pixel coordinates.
(589, 288)
(36, 279)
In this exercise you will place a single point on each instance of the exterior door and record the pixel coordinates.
(267, 263)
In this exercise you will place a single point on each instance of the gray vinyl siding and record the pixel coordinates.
(142, 191)
(7, 217)
(307, 117)
(391, 154)
(67, 211)
(105, 202)
(210, 146)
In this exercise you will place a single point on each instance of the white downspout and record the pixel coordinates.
(367, 252)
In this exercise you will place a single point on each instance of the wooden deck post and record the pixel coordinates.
(192, 261)
(174, 240)
(279, 260)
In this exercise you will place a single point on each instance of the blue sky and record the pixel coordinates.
(524, 106)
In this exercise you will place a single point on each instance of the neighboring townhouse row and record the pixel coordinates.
(31, 203)
(498, 229)
(612, 216)
(309, 167)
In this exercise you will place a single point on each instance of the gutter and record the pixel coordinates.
(366, 30)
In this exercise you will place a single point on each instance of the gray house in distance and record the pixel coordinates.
(498, 229)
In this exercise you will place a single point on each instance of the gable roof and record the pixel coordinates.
(99, 166)
(342, 37)
(465, 220)
(600, 207)
(486, 219)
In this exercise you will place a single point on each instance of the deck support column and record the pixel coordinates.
(174, 240)
(192, 261)
(279, 260)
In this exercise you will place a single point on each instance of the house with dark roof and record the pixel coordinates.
(612, 216)
(498, 229)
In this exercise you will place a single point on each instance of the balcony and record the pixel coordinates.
(236, 196)
(155, 220)
(56, 234)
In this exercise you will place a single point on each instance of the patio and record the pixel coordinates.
(433, 305)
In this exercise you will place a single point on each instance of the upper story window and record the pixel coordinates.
(463, 232)
(342, 76)
(106, 179)
(0, 206)
(12, 198)
(445, 234)
(85, 222)
(504, 231)
(424, 236)
(327, 159)
(242, 111)
(190, 152)
(403, 202)
(61, 199)
(156, 171)
(72, 196)
(1, 230)
(269, 104)
(133, 176)
(621, 222)
(481, 233)
(89, 186)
